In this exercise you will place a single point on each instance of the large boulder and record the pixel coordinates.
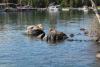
(35, 30)
(54, 36)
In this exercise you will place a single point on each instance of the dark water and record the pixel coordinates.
(19, 50)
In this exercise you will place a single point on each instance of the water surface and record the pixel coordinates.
(19, 50)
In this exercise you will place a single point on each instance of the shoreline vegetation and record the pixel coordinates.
(17, 5)
(98, 7)
(42, 9)
(46, 3)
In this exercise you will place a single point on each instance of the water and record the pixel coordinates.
(19, 50)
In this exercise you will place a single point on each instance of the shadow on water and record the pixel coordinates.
(18, 50)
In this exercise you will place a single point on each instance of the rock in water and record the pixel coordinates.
(55, 36)
(34, 29)
(71, 35)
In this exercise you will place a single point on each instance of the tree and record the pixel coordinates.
(65, 3)
(45, 3)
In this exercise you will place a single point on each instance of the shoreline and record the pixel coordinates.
(42, 9)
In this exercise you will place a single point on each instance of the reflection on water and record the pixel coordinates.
(18, 50)
(54, 19)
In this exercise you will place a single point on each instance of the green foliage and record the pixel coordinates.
(45, 3)
(65, 3)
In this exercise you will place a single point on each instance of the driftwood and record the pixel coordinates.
(95, 10)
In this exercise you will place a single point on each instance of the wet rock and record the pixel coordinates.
(55, 36)
(37, 32)
(45, 38)
(97, 39)
(78, 34)
(72, 22)
(52, 36)
(86, 33)
(40, 34)
(82, 29)
(34, 29)
(78, 40)
(70, 39)
(71, 35)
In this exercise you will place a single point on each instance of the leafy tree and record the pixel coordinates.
(45, 3)
(65, 3)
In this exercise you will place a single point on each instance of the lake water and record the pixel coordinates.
(19, 50)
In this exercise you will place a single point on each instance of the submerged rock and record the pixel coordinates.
(86, 33)
(82, 29)
(71, 35)
(72, 22)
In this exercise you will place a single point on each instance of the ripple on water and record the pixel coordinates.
(18, 50)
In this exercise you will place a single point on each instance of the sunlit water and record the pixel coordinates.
(19, 50)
